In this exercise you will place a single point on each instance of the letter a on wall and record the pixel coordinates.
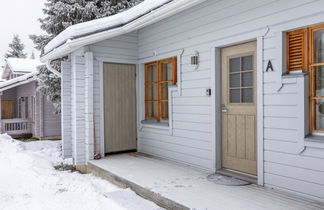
(269, 66)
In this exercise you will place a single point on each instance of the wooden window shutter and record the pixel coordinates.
(297, 50)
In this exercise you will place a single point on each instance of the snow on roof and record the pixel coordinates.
(18, 81)
(143, 14)
(23, 65)
(101, 24)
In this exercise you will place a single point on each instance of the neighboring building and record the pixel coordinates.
(24, 111)
(15, 67)
(218, 85)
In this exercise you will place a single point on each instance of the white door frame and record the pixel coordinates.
(216, 95)
(102, 105)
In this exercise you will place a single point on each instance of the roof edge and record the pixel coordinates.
(164, 11)
(18, 81)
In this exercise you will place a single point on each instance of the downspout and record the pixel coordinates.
(263, 148)
(49, 67)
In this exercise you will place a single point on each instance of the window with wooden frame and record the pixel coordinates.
(159, 76)
(306, 53)
(316, 71)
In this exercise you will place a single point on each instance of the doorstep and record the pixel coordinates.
(176, 186)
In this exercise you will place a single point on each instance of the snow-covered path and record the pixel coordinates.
(29, 181)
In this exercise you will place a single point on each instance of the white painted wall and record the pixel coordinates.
(78, 109)
(66, 106)
(122, 49)
(290, 162)
(199, 29)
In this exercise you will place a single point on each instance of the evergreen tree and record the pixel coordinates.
(60, 14)
(16, 49)
(32, 56)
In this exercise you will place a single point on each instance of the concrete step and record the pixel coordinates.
(141, 191)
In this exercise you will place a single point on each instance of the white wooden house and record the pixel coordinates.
(218, 85)
(24, 111)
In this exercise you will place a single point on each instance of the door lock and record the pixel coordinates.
(224, 109)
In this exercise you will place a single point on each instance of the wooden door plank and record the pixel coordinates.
(239, 122)
(120, 107)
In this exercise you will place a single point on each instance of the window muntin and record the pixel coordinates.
(316, 70)
(306, 53)
(19, 107)
(159, 76)
(33, 98)
(241, 79)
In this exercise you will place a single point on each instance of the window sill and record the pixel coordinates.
(294, 74)
(154, 124)
(314, 141)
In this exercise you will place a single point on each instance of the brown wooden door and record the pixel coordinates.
(120, 107)
(239, 108)
(7, 109)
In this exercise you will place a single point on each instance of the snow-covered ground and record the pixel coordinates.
(29, 181)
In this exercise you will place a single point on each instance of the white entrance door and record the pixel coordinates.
(23, 107)
(120, 107)
(239, 108)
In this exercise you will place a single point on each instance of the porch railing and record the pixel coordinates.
(16, 126)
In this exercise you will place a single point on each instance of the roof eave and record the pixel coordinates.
(29, 78)
(161, 13)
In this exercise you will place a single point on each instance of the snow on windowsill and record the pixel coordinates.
(315, 141)
(155, 124)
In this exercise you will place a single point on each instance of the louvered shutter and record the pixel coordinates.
(297, 50)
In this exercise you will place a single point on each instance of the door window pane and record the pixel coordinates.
(235, 64)
(235, 96)
(247, 95)
(247, 79)
(247, 63)
(319, 46)
(235, 80)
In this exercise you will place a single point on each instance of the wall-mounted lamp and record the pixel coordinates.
(195, 60)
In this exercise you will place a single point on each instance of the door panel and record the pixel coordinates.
(7, 111)
(239, 108)
(120, 107)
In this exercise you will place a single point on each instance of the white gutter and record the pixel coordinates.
(49, 67)
(163, 12)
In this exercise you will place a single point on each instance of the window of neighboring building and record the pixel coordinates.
(159, 76)
(306, 53)
(33, 98)
(23, 107)
(12, 76)
(19, 107)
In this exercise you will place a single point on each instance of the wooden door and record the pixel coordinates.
(7, 109)
(239, 108)
(120, 107)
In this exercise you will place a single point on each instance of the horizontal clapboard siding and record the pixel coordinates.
(114, 50)
(78, 109)
(191, 138)
(66, 106)
(194, 30)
